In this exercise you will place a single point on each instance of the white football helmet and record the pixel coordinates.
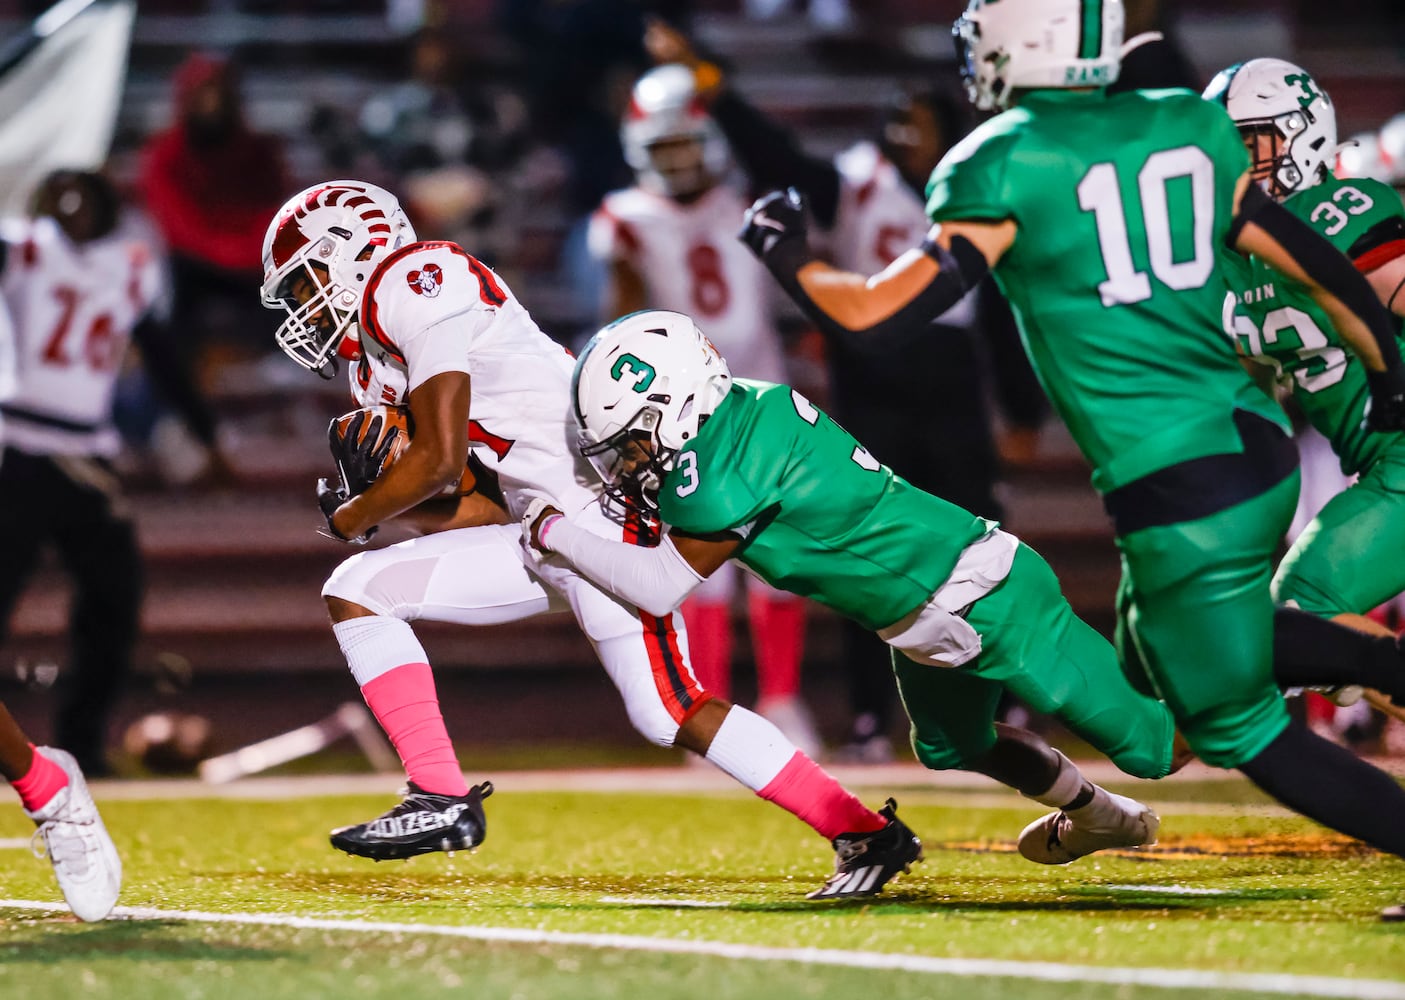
(318, 253)
(673, 145)
(1008, 45)
(1391, 145)
(652, 378)
(1360, 156)
(1286, 119)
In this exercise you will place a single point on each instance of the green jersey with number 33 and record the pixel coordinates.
(1276, 321)
(817, 514)
(1122, 203)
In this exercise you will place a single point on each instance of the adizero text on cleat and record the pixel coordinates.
(421, 824)
(865, 862)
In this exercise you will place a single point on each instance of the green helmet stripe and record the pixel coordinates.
(1090, 34)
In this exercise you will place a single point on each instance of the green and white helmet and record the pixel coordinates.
(649, 377)
(1008, 45)
(1280, 102)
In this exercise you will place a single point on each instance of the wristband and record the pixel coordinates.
(544, 526)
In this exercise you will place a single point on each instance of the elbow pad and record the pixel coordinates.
(959, 270)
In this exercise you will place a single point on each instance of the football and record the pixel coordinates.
(360, 424)
(392, 418)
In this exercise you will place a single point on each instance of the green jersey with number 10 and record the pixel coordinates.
(818, 515)
(1277, 322)
(1122, 203)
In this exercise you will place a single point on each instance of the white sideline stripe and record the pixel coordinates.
(1055, 972)
(696, 904)
(13, 843)
(1172, 890)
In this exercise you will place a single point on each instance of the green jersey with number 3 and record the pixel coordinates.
(1122, 203)
(1277, 322)
(817, 514)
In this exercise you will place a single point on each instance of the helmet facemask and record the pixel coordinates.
(318, 255)
(320, 311)
(1270, 145)
(632, 462)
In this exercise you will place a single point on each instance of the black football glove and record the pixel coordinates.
(774, 229)
(1385, 410)
(361, 449)
(329, 498)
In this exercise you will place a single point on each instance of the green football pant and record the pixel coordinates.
(1037, 649)
(1351, 558)
(1195, 623)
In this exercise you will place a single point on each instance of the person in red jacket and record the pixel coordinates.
(211, 183)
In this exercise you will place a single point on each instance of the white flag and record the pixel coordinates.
(59, 101)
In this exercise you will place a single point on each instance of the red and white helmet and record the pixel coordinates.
(318, 253)
(669, 139)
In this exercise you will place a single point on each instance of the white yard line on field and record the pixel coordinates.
(1254, 982)
(15, 843)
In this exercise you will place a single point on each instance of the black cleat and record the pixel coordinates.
(421, 824)
(865, 862)
(1393, 914)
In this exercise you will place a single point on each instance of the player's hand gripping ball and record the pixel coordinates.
(366, 442)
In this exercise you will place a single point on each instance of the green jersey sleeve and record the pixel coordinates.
(972, 180)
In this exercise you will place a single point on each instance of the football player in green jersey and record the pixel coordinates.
(752, 471)
(1100, 216)
(1336, 567)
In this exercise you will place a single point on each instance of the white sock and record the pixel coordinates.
(1066, 787)
(374, 644)
(749, 748)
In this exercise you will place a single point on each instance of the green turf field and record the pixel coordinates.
(609, 894)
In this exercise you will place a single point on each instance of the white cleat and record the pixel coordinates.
(85, 860)
(1109, 821)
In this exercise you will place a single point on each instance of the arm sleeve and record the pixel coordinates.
(773, 158)
(163, 362)
(442, 346)
(655, 579)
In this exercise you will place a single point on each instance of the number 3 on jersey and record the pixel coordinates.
(810, 415)
(1099, 192)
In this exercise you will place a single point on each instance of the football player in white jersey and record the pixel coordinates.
(80, 279)
(427, 326)
(669, 243)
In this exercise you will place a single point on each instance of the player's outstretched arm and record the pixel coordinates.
(1272, 233)
(656, 579)
(911, 292)
(434, 458)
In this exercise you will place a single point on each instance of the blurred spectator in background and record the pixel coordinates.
(927, 418)
(435, 138)
(79, 280)
(669, 242)
(211, 183)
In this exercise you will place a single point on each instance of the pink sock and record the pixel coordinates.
(710, 646)
(778, 636)
(41, 783)
(403, 700)
(805, 789)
